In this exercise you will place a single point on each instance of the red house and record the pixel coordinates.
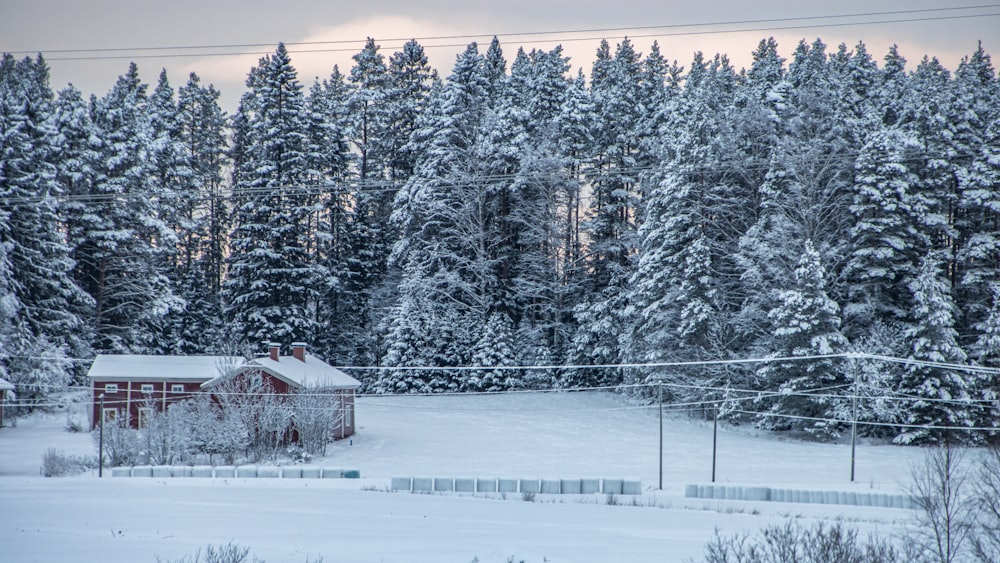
(133, 385)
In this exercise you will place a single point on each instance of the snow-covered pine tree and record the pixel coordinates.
(202, 131)
(495, 349)
(686, 289)
(806, 322)
(976, 145)
(273, 278)
(51, 308)
(615, 88)
(117, 255)
(941, 396)
(445, 237)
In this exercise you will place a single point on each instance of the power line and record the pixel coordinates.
(560, 35)
(390, 186)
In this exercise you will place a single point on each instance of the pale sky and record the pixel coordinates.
(197, 32)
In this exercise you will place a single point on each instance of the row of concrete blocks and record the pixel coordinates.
(789, 495)
(237, 471)
(539, 486)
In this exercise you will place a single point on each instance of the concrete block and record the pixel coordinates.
(591, 486)
(882, 500)
(423, 484)
(142, 471)
(756, 493)
(444, 484)
(311, 472)
(247, 471)
(266, 472)
(225, 472)
(852, 498)
(550, 487)
(252, 471)
(816, 497)
(528, 485)
(778, 495)
(570, 486)
(631, 487)
(465, 485)
(732, 493)
(864, 499)
(331, 473)
(612, 487)
(830, 497)
(202, 471)
(181, 471)
(401, 483)
(486, 485)
(706, 491)
(506, 485)
(291, 472)
(121, 471)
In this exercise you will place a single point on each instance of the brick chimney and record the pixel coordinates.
(274, 350)
(299, 351)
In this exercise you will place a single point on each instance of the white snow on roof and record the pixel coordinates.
(136, 366)
(6, 385)
(313, 372)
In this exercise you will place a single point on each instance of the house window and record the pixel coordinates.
(110, 415)
(111, 388)
(146, 388)
(176, 388)
(144, 414)
(347, 416)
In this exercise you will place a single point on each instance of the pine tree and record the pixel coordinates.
(806, 323)
(51, 308)
(117, 251)
(941, 395)
(272, 281)
(202, 130)
(443, 251)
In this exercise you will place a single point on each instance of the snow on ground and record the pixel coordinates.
(529, 435)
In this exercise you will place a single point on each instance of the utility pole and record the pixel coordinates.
(659, 393)
(100, 448)
(854, 415)
(715, 436)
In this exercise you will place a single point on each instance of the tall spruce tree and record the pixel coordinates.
(273, 279)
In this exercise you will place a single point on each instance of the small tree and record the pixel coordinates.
(945, 513)
(316, 414)
(121, 442)
(985, 531)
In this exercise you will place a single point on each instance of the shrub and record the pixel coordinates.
(57, 463)
(229, 553)
(790, 542)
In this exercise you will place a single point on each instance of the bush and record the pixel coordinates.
(57, 463)
(229, 553)
(790, 542)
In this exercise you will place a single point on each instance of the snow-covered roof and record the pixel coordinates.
(313, 372)
(159, 368)
(6, 385)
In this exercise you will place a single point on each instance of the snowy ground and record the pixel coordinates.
(531, 436)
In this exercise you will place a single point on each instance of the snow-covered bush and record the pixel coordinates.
(122, 444)
(57, 463)
(791, 542)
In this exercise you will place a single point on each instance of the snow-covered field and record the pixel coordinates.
(521, 435)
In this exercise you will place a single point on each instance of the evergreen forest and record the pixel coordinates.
(514, 213)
